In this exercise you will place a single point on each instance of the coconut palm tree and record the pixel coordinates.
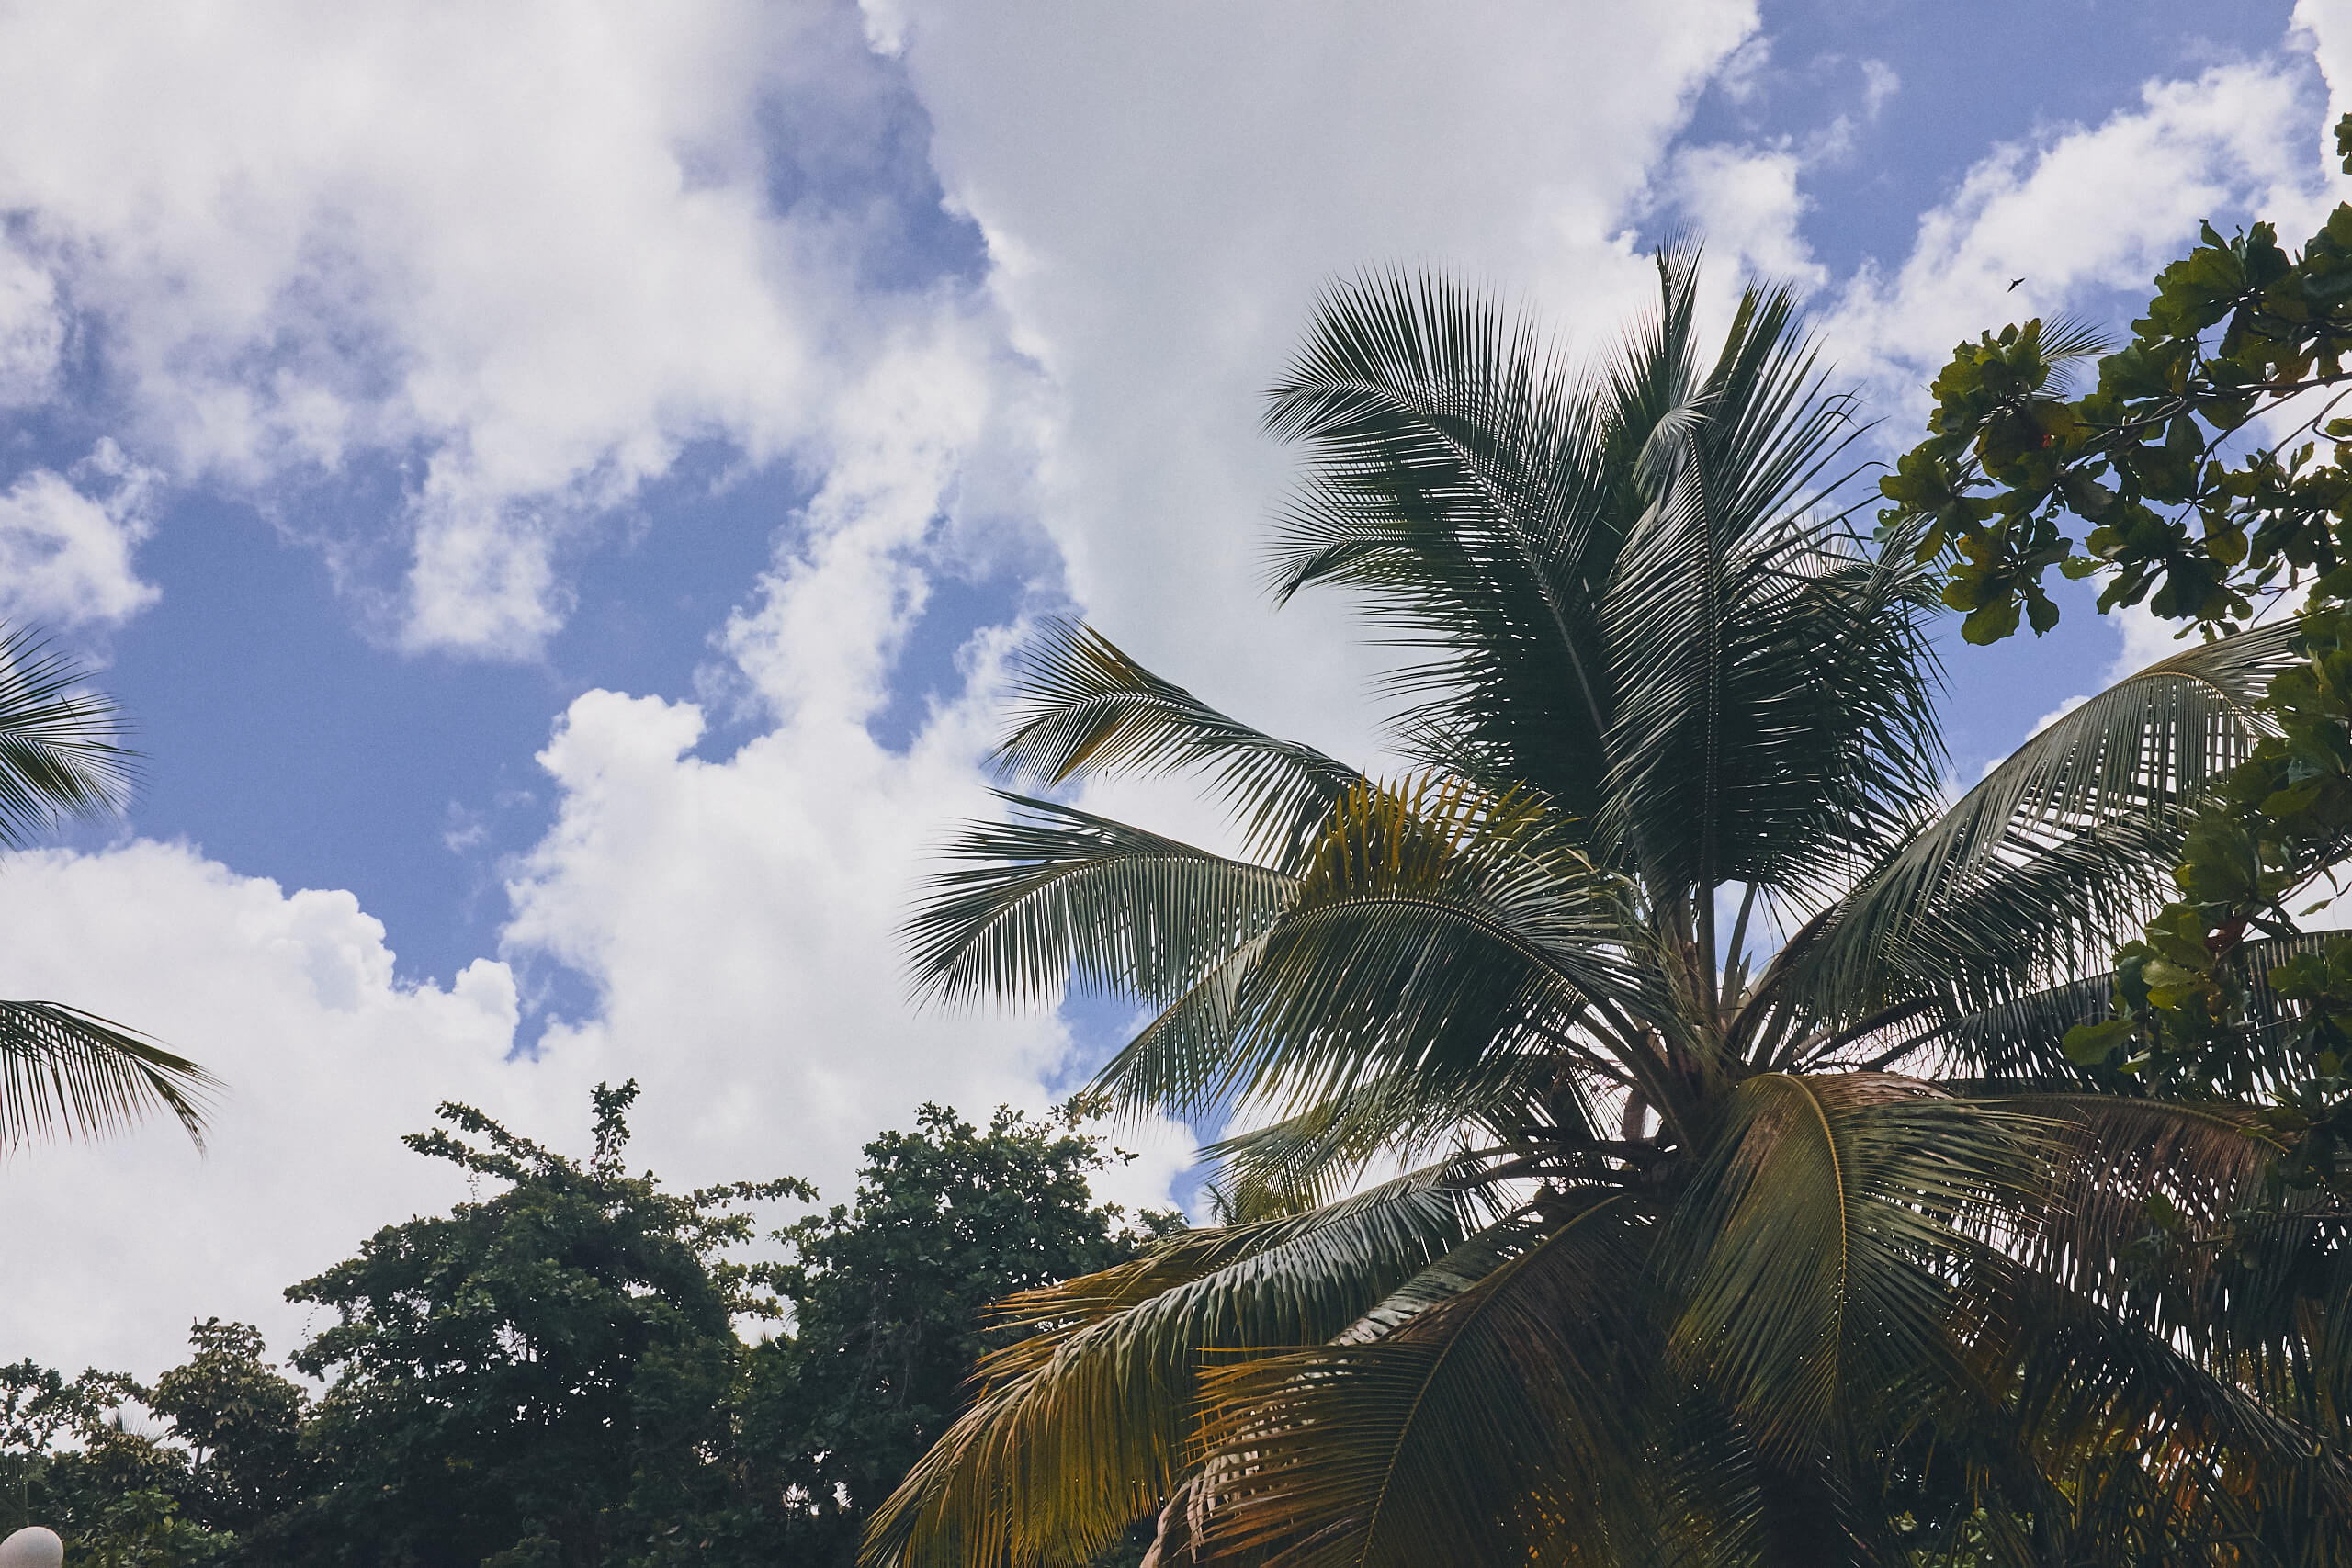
(63, 1069)
(1706, 1248)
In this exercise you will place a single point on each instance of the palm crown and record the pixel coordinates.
(1704, 1255)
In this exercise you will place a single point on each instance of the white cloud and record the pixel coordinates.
(115, 1246)
(1746, 203)
(2076, 213)
(737, 918)
(736, 913)
(66, 542)
(1880, 82)
(527, 252)
(1163, 192)
(32, 330)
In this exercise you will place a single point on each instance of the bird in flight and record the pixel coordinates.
(2012, 288)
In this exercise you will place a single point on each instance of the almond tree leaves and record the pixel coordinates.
(2206, 467)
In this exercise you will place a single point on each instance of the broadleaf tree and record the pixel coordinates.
(577, 1366)
(2203, 467)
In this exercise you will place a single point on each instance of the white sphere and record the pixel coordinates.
(32, 1547)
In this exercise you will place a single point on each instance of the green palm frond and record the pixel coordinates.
(1433, 925)
(1430, 926)
(2106, 1158)
(1774, 720)
(2019, 1043)
(2057, 854)
(1457, 483)
(1058, 895)
(61, 747)
(1083, 1428)
(1322, 1151)
(1085, 707)
(2152, 1440)
(65, 1071)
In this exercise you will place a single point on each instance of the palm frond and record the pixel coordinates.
(2019, 1044)
(1085, 707)
(1493, 1424)
(1815, 1248)
(1320, 1152)
(1058, 895)
(1432, 927)
(61, 747)
(2057, 854)
(1774, 722)
(1084, 1426)
(1456, 481)
(65, 1071)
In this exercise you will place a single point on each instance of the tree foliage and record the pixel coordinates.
(557, 1373)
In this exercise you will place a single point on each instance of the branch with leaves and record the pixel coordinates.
(2206, 470)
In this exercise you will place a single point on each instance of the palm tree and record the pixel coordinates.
(1705, 1249)
(63, 1069)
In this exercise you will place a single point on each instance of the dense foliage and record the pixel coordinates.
(1711, 1249)
(553, 1374)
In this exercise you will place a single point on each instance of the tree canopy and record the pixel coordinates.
(559, 1374)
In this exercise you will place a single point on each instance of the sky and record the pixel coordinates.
(556, 487)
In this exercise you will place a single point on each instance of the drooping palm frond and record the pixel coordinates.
(1083, 1428)
(1816, 1243)
(2055, 856)
(61, 747)
(1492, 1424)
(1085, 707)
(2106, 1157)
(69, 1071)
(1058, 894)
(2156, 1444)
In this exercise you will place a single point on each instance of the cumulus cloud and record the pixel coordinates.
(1749, 205)
(290, 999)
(66, 542)
(1163, 192)
(736, 915)
(528, 254)
(32, 330)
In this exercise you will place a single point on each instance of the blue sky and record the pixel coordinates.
(551, 486)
